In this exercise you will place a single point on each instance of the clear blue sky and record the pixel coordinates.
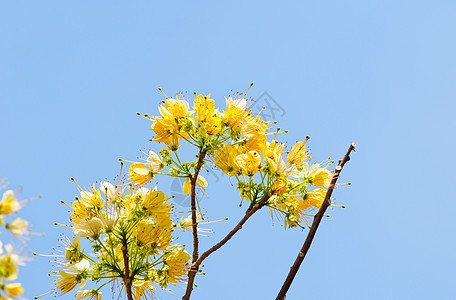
(378, 73)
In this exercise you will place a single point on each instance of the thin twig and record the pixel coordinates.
(192, 271)
(126, 278)
(317, 219)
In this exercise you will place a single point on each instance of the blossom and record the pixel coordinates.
(204, 107)
(273, 149)
(143, 232)
(297, 154)
(174, 108)
(18, 227)
(89, 228)
(200, 181)
(141, 287)
(68, 281)
(213, 125)
(9, 203)
(154, 162)
(14, 289)
(155, 203)
(249, 163)
(93, 294)
(252, 126)
(315, 175)
(176, 262)
(167, 131)
(108, 189)
(139, 173)
(279, 186)
(8, 266)
(316, 197)
(148, 232)
(73, 250)
(225, 159)
(234, 111)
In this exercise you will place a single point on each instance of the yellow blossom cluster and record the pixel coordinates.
(236, 141)
(129, 226)
(9, 260)
(130, 232)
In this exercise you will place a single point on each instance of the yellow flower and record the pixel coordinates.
(252, 126)
(234, 112)
(79, 212)
(92, 199)
(174, 108)
(277, 166)
(186, 224)
(154, 162)
(297, 154)
(18, 227)
(160, 210)
(145, 232)
(141, 287)
(315, 175)
(249, 163)
(316, 197)
(73, 251)
(68, 281)
(87, 205)
(273, 149)
(109, 190)
(279, 186)
(148, 232)
(239, 103)
(204, 107)
(8, 267)
(167, 131)
(14, 289)
(213, 125)
(93, 294)
(89, 228)
(256, 143)
(225, 159)
(9, 203)
(322, 178)
(200, 181)
(140, 174)
(302, 204)
(142, 233)
(177, 261)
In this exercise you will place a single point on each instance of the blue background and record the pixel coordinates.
(378, 73)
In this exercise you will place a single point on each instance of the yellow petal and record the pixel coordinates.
(187, 186)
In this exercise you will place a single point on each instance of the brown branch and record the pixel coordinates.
(192, 271)
(248, 214)
(126, 277)
(317, 219)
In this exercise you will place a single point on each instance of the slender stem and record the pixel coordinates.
(192, 271)
(126, 277)
(317, 219)
(248, 214)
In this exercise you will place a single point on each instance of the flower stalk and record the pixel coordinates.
(126, 277)
(193, 268)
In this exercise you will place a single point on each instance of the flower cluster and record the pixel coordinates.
(236, 142)
(9, 260)
(129, 230)
(129, 226)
